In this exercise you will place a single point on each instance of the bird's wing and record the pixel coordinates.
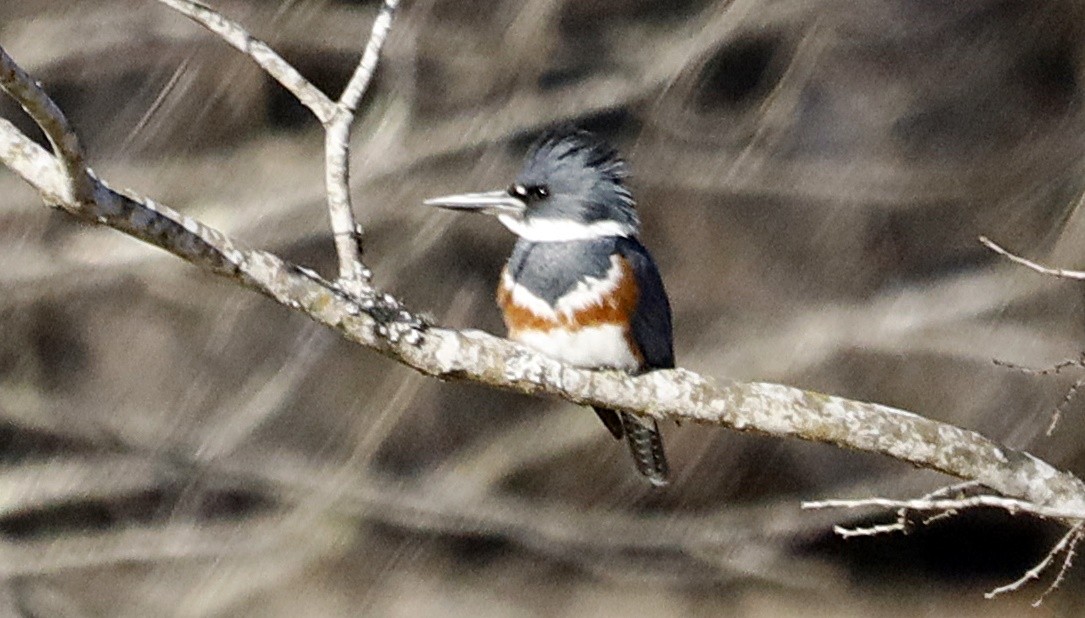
(651, 321)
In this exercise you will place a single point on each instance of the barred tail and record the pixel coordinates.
(646, 445)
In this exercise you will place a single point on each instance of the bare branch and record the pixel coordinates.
(1040, 268)
(875, 530)
(1010, 505)
(948, 507)
(1067, 562)
(1055, 369)
(353, 274)
(66, 147)
(336, 117)
(1067, 399)
(280, 70)
(1068, 540)
(901, 524)
(363, 73)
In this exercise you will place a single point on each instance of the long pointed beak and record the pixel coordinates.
(489, 202)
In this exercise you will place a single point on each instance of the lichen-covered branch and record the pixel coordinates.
(383, 325)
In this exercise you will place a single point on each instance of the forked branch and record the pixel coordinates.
(336, 118)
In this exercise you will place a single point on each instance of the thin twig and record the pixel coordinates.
(1010, 505)
(946, 508)
(1055, 369)
(1071, 536)
(901, 524)
(874, 530)
(66, 147)
(1056, 416)
(1040, 268)
(1067, 562)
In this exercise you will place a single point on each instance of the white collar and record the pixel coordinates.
(561, 230)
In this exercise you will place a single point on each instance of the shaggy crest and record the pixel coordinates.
(571, 146)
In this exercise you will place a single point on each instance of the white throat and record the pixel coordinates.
(562, 230)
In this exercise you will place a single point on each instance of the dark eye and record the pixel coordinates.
(529, 193)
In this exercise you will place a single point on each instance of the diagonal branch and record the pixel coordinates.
(363, 73)
(383, 325)
(271, 62)
(32, 163)
(1065, 544)
(1040, 268)
(44, 112)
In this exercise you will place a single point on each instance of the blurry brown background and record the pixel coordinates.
(812, 177)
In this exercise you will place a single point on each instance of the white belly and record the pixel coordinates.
(595, 346)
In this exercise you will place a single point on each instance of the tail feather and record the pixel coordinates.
(612, 422)
(646, 446)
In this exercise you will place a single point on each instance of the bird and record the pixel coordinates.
(579, 286)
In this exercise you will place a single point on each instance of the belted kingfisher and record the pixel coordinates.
(579, 286)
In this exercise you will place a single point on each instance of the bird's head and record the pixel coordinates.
(571, 187)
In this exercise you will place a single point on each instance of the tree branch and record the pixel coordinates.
(1009, 505)
(336, 118)
(1040, 268)
(44, 112)
(353, 274)
(32, 163)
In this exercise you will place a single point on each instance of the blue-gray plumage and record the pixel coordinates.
(554, 268)
(579, 286)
